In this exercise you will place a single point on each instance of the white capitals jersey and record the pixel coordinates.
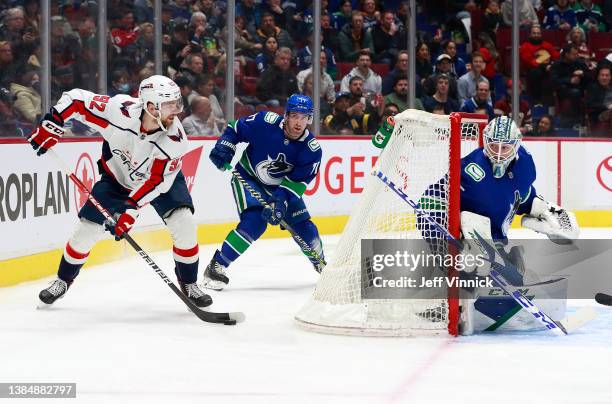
(146, 164)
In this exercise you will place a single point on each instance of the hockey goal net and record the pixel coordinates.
(423, 149)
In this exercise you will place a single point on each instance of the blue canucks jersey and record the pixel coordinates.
(270, 158)
(499, 199)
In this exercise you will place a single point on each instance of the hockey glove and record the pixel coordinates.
(558, 224)
(48, 133)
(123, 222)
(276, 209)
(222, 153)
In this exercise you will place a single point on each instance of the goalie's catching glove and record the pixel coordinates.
(48, 132)
(558, 224)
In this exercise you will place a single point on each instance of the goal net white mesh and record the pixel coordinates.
(416, 157)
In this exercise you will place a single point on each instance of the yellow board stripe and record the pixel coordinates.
(36, 266)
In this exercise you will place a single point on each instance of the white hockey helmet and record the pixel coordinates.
(502, 139)
(163, 93)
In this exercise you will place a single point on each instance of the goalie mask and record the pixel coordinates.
(164, 94)
(502, 140)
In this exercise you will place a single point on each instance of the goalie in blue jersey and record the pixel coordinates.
(497, 184)
(281, 158)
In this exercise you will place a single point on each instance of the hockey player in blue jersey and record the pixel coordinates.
(281, 158)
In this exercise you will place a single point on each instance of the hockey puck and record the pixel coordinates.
(230, 322)
(604, 299)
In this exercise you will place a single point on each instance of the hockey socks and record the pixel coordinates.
(250, 228)
(71, 263)
(186, 264)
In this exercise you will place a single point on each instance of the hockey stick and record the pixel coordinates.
(562, 327)
(603, 298)
(306, 249)
(207, 316)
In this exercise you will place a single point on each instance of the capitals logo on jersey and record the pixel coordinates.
(271, 172)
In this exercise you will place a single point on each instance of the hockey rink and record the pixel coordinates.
(123, 337)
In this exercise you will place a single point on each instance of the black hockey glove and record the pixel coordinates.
(222, 153)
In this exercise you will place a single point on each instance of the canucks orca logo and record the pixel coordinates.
(271, 172)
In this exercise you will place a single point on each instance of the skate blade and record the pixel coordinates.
(212, 285)
(43, 306)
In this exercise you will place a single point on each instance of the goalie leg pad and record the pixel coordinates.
(183, 230)
(76, 252)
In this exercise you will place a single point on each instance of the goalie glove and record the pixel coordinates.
(558, 224)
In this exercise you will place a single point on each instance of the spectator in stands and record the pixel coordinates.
(268, 28)
(64, 42)
(339, 121)
(304, 56)
(179, 46)
(387, 38)
(424, 68)
(62, 79)
(589, 16)
(399, 96)
(245, 44)
(373, 104)
(13, 25)
(527, 14)
(186, 88)
(125, 34)
(205, 87)
(481, 100)
(536, 58)
(32, 14)
(180, 9)
(277, 82)
(371, 81)
(8, 67)
(400, 70)
(266, 57)
(343, 16)
(560, 16)
(204, 37)
(544, 127)
(329, 35)
(26, 96)
(390, 110)
(467, 84)
(8, 122)
(504, 107)
(607, 13)
(192, 66)
(326, 102)
(489, 54)
(273, 7)
(251, 14)
(201, 122)
(120, 83)
(443, 66)
(458, 68)
(492, 19)
(599, 102)
(441, 99)
(145, 44)
(214, 15)
(371, 16)
(569, 79)
(577, 38)
(354, 39)
(326, 82)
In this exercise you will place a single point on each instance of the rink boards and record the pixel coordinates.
(38, 204)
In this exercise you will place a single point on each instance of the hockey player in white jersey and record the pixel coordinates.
(144, 142)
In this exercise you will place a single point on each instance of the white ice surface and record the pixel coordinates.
(124, 337)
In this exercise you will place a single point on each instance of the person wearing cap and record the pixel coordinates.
(346, 119)
(443, 66)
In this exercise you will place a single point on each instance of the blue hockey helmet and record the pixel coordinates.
(301, 104)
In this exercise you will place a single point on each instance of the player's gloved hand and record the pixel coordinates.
(123, 222)
(222, 153)
(276, 209)
(48, 133)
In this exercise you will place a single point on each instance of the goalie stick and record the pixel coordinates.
(603, 298)
(562, 327)
(207, 316)
(306, 249)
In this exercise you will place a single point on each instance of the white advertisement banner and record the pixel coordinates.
(39, 205)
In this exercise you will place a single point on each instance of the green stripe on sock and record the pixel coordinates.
(239, 195)
(237, 242)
